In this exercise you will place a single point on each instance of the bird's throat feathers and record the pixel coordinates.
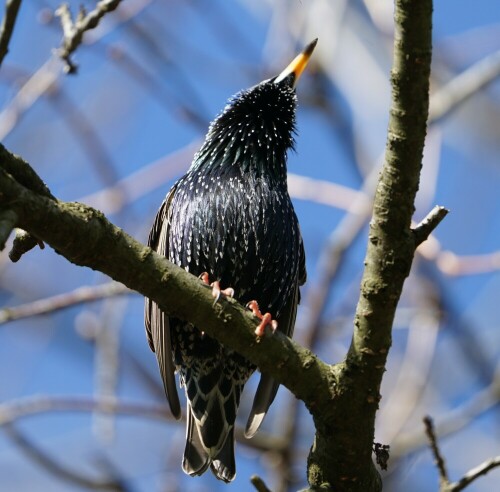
(253, 132)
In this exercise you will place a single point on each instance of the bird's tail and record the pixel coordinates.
(197, 457)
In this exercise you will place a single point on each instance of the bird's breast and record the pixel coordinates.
(242, 230)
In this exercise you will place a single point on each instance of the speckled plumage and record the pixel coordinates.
(230, 216)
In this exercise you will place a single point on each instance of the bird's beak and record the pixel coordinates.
(296, 67)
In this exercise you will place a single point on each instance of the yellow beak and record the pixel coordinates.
(297, 66)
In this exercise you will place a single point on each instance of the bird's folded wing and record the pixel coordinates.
(156, 322)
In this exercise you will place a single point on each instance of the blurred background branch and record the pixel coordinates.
(74, 29)
(444, 482)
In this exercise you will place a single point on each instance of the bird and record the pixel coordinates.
(230, 218)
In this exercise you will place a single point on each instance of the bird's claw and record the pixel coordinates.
(266, 319)
(216, 290)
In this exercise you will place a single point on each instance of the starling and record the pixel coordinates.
(230, 218)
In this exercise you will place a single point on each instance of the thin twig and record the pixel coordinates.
(107, 362)
(476, 472)
(7, 28)
(464, 85)
(444, 483)
(36, 405)
(259, 484)
(61, 301)
(434, 217)
(480, 403)
(454, 265)
(54, 467)
(14, 410)
(74, 30)
(440, 463)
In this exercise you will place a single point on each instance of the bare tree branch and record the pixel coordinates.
(55, 303)
(441, 104)
(388, 260)
(431, 221)
(259, 484)
(438, 458)
(15, 409)
(7, 27)
(8, 221)
(481, 402)
(74, 30)
(54, 467)
(464, 85)
(444, 482)
(473, 474)
(69, 226)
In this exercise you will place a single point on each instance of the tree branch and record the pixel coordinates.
(83, 236)
(14, 410)
(8, 220)
(259, 484)
(438, 457)
(7, 28)
(473, 474)
(26, 176)
(74, 30)
(444, 482)
(339, 458)
(464, 85)
(56, 468)
(61, 301)
(423, 230)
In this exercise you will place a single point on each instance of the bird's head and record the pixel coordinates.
(256, 128)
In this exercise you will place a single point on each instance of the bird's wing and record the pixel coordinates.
(268, 387)
(302, 269)
(156, 322)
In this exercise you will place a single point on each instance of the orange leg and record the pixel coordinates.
(266, 319)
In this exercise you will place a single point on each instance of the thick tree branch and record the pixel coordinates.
(84, 236)
(24, 174)
(343, 459)
(8, 220)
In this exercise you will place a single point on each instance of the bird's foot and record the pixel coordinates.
(216, 290)
(266, 319)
